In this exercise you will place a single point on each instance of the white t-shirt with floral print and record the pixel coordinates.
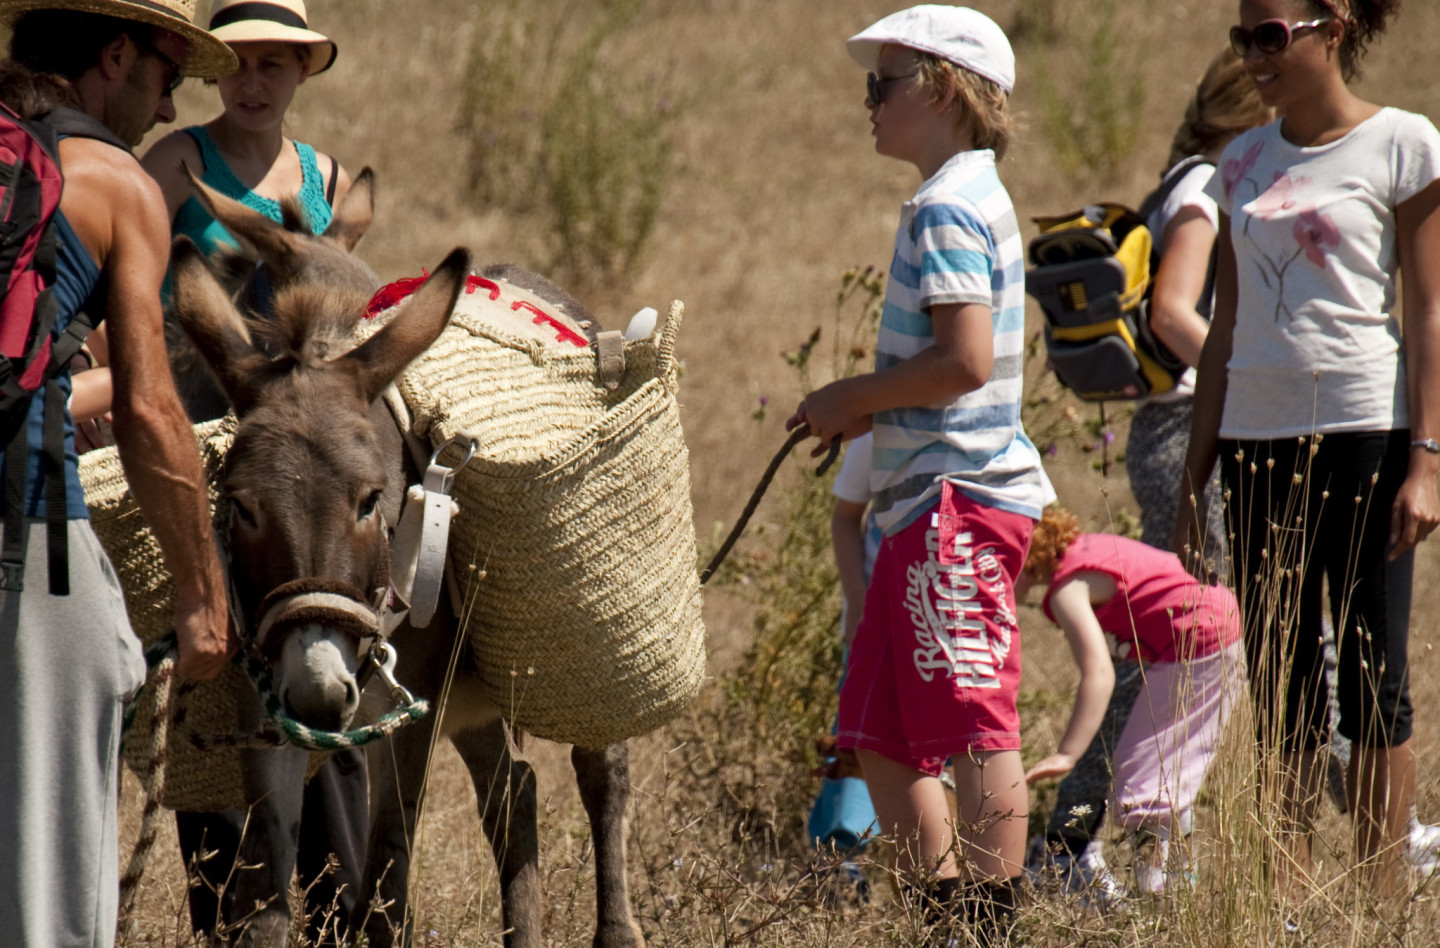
(1316, 346)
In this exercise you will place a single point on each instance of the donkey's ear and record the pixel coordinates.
(410, 332)
(258, 235)
(206, 313)
(357, 209)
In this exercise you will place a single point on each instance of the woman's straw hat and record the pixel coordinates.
(208, 57)
(271, 21)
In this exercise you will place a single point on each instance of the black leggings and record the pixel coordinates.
(1301, 513)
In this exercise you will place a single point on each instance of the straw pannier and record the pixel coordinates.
(195, 779)
(583, 603)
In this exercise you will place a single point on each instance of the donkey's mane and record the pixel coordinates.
(312, 324)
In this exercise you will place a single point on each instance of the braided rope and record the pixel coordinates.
(162, 663)
(317, 740)
(160, 656)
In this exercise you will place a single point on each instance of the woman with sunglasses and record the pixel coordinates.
(1323, 414)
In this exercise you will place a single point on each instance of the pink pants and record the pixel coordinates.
(1172, 736)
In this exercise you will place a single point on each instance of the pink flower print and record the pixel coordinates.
(1234, 170)
(1280, 196)
(1314, 232)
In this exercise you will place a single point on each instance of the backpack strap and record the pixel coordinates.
(1168, 182)
(48, 129)
(72, 123)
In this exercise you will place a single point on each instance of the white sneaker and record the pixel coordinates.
(1423, 851)
(1161, 868)
(1152, 851)
(1092, 879)
(1085, 875)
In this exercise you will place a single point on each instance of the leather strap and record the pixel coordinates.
(610, 349)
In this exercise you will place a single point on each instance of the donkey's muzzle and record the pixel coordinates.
(337, 606)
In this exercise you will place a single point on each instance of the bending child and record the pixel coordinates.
(1119, 600)
(958, 486)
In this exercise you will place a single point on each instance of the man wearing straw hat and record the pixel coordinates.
(101, 72)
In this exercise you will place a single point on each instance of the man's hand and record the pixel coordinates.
(1051, 768)
(205, 639)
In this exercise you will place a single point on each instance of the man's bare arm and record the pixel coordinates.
(157, 446)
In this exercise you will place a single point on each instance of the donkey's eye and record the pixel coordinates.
(242, 513)
(367, 507)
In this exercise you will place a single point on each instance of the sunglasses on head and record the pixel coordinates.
(875, 87)
(177, 72)
(1269, 36)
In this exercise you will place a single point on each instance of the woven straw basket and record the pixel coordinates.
(195, 779)
(584, 603)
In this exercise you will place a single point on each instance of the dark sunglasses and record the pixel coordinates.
(177, 71)
(1269, 36)
(875, 86)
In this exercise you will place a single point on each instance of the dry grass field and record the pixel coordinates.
(775, 190)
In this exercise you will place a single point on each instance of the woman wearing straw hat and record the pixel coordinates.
(244, 154)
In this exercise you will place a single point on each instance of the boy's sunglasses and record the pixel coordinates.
(1269, 36)
(875, 86)
(177, 72)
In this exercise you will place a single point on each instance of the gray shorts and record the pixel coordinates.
(67, 664)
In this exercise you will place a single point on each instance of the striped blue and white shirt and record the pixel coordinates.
(958, 242)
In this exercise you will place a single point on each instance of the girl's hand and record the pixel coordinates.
(1051, 768)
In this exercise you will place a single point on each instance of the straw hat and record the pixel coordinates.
(271, 21)
(208, 57)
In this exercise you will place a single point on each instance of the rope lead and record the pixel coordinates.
(796, 436)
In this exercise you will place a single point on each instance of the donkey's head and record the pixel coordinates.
(292, 254)
(307, 471)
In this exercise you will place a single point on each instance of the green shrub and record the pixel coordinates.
(563, 132)
(1092, 108)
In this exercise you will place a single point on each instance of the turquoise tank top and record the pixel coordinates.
(195, 222)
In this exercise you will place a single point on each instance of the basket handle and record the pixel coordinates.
(665, 352)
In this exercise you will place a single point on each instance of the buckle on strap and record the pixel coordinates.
(422, 537)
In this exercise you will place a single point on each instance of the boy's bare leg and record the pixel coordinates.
(913, 809)
(993, 806)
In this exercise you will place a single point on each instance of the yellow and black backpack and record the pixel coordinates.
(1091, 273)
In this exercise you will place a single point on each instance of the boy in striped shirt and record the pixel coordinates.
(935, 667)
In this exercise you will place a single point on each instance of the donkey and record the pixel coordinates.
(315, 481)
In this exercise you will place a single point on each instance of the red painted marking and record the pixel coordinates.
(473, 283)
(392, 293)
(563, 333)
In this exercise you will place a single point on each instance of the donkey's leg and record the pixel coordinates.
(257, 898)
(397, 767)
(505, 788)
(604, 778)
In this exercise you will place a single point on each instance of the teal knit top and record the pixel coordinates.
(195, 222)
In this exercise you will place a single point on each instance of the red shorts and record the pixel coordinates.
(935, 666)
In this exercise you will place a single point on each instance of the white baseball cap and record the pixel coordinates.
(965, 37)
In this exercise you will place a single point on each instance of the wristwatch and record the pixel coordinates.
(1429, 444)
